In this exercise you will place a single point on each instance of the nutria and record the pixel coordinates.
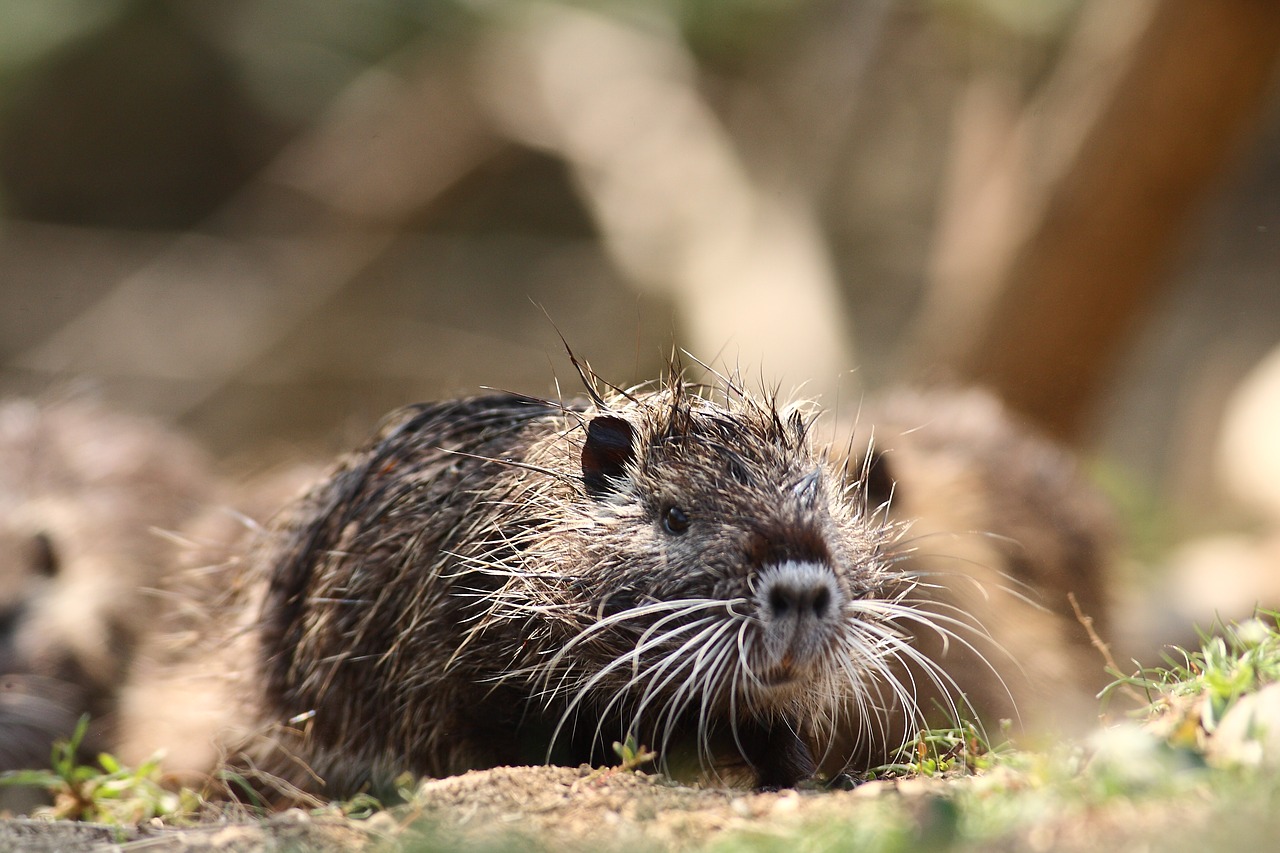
(1005, 529)
(505, 580)
(84, 492)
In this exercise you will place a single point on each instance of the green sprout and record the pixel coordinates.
(108, 793)
(1189, 696)
(631, 754)
(948, 751)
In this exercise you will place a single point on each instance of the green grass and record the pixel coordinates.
(1191, 694)
(1154, 780)
(943, 752)
(106, 793)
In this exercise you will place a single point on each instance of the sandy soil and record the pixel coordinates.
(556, 808)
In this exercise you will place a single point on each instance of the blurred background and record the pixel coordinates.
(270, 223)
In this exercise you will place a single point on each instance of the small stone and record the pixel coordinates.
(293, 817)
(914, 787)
(1249, 734)
(786, 803)
(383, 824)
(871, 790)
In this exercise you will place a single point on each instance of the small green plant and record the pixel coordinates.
(956, 750)
(108, 793)
(631, 754)
(1189, 696)
(362, 806)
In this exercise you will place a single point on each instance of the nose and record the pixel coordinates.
(798, 591)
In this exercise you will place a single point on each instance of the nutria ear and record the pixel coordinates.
(606, 452)
(42, 555)
(878, 483)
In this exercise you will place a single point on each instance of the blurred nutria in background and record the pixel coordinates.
(86, 496)
(1003, 531)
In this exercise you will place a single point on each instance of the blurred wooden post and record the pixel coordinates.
(1090, 257)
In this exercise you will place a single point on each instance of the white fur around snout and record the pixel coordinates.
(798, 638)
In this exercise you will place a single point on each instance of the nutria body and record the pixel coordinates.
(508, 580)
(499, 580)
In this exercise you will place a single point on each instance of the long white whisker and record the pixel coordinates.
(631, 658)
(681, 608)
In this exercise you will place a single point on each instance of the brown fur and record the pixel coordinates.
(410, 612)
(184, 685)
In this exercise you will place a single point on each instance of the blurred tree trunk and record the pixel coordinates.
(1049, 306)
(675, 203)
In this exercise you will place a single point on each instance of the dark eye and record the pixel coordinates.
(674, 520)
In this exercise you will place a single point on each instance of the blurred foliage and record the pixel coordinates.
(136, 119)
(32, 30)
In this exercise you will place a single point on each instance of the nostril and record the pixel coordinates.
(821, 602)
(779, 601)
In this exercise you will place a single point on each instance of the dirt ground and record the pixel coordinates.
(552, 808)
(565, 809)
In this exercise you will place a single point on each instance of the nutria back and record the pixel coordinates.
(1004, 532)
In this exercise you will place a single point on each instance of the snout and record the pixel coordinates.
(798, 604)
